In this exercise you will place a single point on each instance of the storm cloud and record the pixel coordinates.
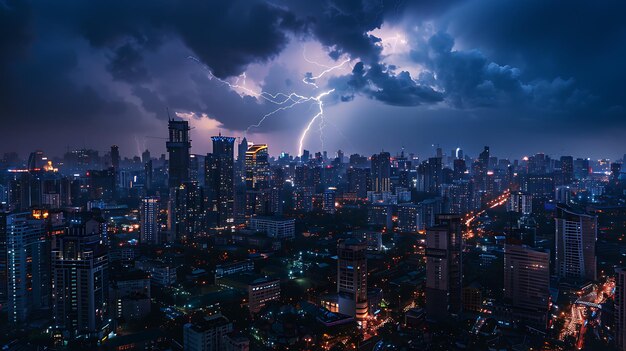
(109, 69)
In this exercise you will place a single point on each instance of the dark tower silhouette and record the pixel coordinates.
(178, 147)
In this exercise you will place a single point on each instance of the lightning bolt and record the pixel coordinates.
(320, 113)
(285, 101)
(310, 79)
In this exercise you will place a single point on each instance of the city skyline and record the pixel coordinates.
(336, 175)
(404, 74)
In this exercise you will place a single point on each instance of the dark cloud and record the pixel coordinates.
(225, 35)
(110, 68)
(469, 79)
(380, 82)
(585, 40)
(127, 65)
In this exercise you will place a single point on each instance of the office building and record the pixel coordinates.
(433, 177)
(520, 202)
(24, 266)
(187, 211)
(222, 270)
(219, 173)
(178, 147)
(148, 217)
(444, 268)
(130, 295)
(274, 227)
(358, 180)
(381, 172)
(567, 169)
(115, 157)
(527, 283)
(575, 244)
(329, 204)
(257, 167)
(408, 216)
(563, 194)
(427, 212)
(262, 291)
(352, 278)
(80, 276)
(620, 308)
(207, 335)
(303, 199)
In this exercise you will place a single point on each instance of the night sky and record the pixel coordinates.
(521, 76)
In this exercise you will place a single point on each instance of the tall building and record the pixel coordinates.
(581, 168)
(433, 177)
(620, 308)
(408, 215)
(80, 276)
(178, 147)
(381, 172)
(567, 169)
(329, 200)
(148, 214)
(257, 167)
(148, 174)
(481, 168)
(520, 202)
(358, 179)
(35, 161)
(575, 243)
(186, 211)
(459, 169)
(444, 268)
(115, 157)
(24, 266)
(527, 283)
(616, 170)
(145, 156)
(219, 173)
(352, 278)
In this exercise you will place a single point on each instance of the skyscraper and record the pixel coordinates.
(527, 283)
(178, 147)
(80, 278)
(219, 173)
(433, 175)
(444, 267)
(24, 265)
(35, 161)
(352, 278)
(481, 168)
(329, 200)
(115, 157)
(620, 308)
(575, 243)
(148, 214)
(145, 156)
(358, 178)
(257, 167)
(186, 210)
(567, 169)
(381, 172)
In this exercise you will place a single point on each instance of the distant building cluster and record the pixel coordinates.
(241, 250)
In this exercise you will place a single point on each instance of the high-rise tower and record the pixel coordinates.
(352, 278)
(219, 173)
(381, 172)
(575, 243)
(178, 147)
(444, 267)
